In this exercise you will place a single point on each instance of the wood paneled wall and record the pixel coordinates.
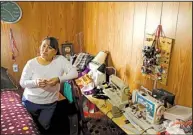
(119, 27)
(62, 20)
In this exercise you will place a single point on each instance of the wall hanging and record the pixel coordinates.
(13, 46)
(156, 56)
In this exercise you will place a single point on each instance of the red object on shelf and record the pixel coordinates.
(96, 115)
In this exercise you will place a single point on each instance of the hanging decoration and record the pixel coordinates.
(156, 55)
(14, 49)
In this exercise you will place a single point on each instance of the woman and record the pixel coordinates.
(41, 78)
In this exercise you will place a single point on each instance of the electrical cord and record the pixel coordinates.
(108, 112)
(111, 112)
(104, 105)
(146, 130)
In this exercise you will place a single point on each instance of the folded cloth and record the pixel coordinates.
(67, 91)
(82, 61)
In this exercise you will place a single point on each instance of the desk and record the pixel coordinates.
(99, 103)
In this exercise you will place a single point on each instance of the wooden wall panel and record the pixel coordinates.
(182, 62)
(138, 40)
(62, 20)
(120, 28)
(153, 16)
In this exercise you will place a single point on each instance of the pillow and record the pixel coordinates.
(6, 82)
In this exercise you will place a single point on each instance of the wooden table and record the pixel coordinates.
(105, 109)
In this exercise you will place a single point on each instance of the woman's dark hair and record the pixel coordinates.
(53, 44)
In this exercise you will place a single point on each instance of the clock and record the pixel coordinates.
(10, 12)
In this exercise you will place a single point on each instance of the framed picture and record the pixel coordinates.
(67, 50)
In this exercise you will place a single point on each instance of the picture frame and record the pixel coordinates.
(67, 50)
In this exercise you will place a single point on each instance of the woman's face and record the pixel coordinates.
(46, 51)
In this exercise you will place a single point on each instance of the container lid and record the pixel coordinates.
(179, 112)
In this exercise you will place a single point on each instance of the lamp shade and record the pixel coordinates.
(100, 58)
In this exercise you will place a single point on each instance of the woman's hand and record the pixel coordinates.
(41, 83)
(53, 81)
